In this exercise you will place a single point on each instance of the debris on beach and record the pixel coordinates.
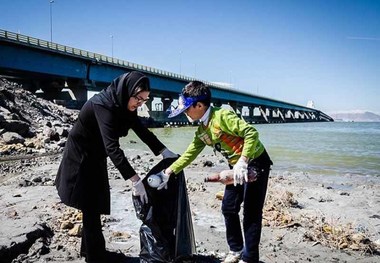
(277, 213)
(339, 236)
(29, 124)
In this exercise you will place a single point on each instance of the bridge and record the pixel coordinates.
(67, 74)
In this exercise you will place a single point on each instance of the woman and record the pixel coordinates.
(82, 179)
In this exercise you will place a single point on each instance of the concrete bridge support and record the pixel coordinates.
(79, 89)
(251, 111)
(236, 107)
(166, 103)
(217, 103)
(281, 114)
(291, 116)
(149, 103)
(263, 112)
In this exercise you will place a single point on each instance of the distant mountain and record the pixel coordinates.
(358, 116)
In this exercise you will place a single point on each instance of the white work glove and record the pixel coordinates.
(240, 172)
(138, 189)
(168, 154)
(164, 180)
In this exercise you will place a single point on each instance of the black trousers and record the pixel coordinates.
(253, 196)
(93, 245)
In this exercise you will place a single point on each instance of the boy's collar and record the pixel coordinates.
(206, 117)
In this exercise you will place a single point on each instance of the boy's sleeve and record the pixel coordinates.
(232, 124)
(192, 151)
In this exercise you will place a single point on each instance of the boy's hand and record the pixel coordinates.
(164, 180)
(240, 171)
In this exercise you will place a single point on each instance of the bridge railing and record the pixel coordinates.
(27, 40)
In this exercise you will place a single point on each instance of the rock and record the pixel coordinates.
(76, 231)
(51, 133)
(207, 164)
(120, 236)
(12, 138)
(18, 126)
(62, 131)
(37, 179)
(377, 242)
(358, 238)
(66, 225)
(219, 195)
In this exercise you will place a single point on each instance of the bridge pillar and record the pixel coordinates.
(217, 103)
(80, 88)
(250, 118)
(251, 110)
(291, 115)
(166, 103)
(270, 115)
(236, 107)
(51, 88)
(149, 103)
(263, 112)
(158, 106)
(233, 105)
(80, 93)
(281, 114)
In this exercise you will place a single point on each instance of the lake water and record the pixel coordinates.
(331, 148)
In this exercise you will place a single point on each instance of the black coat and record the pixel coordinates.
(82, 178)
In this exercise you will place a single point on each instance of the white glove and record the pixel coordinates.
(240, 172)
(138, 189)
(168, 154)
(164, 180)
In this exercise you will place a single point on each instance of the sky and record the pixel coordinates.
(327, 51)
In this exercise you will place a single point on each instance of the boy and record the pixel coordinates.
(238, 141)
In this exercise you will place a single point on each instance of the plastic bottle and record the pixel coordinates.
(227, 177)
(154, 180)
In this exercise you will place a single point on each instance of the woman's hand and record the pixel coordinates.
(138, 189)
(166, 153)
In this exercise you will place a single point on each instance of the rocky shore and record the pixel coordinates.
(30, 125)
(307, 218)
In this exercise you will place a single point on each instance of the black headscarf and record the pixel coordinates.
(121, 89)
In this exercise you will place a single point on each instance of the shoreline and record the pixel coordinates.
(305, 220)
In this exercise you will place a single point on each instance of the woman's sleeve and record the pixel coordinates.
(148, 137)
(109, 131)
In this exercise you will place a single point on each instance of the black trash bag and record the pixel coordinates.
(166, 234)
